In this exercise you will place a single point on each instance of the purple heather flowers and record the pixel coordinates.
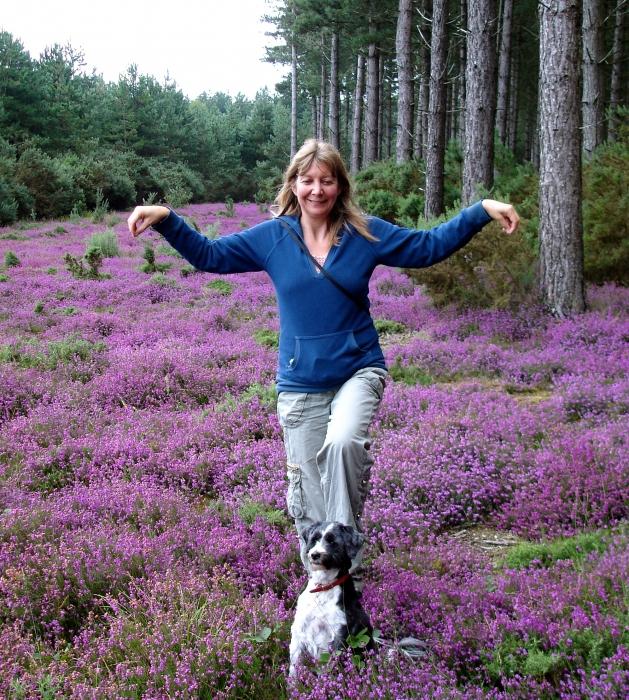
(145, 549)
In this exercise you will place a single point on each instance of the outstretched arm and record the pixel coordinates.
(244, 251)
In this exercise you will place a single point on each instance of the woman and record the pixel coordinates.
(320, 251)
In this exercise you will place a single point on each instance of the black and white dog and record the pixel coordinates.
(329, 609)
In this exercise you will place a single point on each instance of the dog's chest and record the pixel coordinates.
(318, 619)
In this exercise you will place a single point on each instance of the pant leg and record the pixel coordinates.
(345, 460)
(304, 420)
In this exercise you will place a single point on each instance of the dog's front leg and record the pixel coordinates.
(295, 655)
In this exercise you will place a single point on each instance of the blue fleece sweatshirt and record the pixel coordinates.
(324, 336)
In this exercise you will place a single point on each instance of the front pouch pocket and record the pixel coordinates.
(295, 495)
(325, 359)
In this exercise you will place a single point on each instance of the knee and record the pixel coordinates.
(345, 440)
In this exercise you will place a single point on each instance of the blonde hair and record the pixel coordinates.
(345, 211)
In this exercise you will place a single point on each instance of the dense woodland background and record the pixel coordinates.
(433, 103)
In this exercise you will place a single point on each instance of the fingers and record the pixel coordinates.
(504, 213)
(139, 221)
(511, 220)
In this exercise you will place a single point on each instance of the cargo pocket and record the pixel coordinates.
(295, 495)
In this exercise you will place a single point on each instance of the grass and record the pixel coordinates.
(268, 338)
(106, 243)
(546, 554)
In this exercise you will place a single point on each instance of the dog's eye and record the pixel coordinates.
(316, 537)
(329, 538)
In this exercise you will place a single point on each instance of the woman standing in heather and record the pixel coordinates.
(331, 371)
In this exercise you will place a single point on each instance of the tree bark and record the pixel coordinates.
(293, 101)
(322, 97)
(357, 125)
(421, 113)
(463, 63)
(333, 121)
(381, 107)
(504, 65)
(404, 133)
(480, 99)
(513, 102)
(315, 116)
(593, 101)
(561, 227)
(615, 92)
(436, 143)
(373, 106)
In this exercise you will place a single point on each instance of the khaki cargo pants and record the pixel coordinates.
(326, 436)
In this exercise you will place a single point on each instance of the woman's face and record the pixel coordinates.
(316, 191)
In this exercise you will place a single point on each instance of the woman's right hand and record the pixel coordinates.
(146, 216)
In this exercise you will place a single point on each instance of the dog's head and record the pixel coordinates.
(331, 545)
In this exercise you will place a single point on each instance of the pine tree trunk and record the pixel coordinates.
(436, 143)
(463, 64)
(403, 147)
(333, 122)
(504, 64)
(373, 107)
(593, 99)
(561, 228)
(421, 113)
(322, 98)
(381, 106)
(615, 92)
(315, 116)
(513, 104)
(357, 126)
(480, 99)
(293, 101)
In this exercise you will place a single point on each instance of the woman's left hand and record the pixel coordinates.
(505, 214)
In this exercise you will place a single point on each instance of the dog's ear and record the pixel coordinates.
(307, 531)
(354, 540)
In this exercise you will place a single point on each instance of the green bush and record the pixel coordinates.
(380, 203)
(150, 265)
(105, 174)
(8, 204)
(101, 207)
(94, 260)
(493, 270)
(51, 185)
(11, 259)
(606, 213)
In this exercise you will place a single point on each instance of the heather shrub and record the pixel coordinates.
(578, 482)
(606, 213)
